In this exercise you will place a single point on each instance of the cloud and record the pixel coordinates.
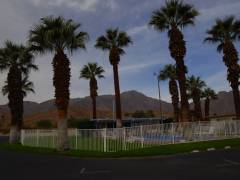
(139, 67)
(84, 5)
(135, 68)
(220, 10)
(218, 81)
(137, 30)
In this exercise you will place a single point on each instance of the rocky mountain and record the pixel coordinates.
(224, 104)
(131, 101)
(81, 107)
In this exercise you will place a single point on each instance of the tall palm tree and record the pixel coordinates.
(169, 72)
(92, 71)
(114, 41)
(57, 35)
(27, 86)
(209, 94)
(195, 87)
(18, 61)
(173, 17)
(224, 33)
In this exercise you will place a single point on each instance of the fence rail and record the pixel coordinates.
(121, 139)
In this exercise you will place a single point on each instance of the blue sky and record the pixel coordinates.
(148, 53)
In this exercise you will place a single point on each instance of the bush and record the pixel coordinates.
(143, 114)
(80, 123)
(44, 124)
(4, 131)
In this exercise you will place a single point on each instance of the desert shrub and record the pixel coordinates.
(80, 123)
(44, 124)
(143, 114)
(4, 131)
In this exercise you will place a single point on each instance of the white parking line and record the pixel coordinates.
(232, 162)
(229, 163)
(83, 171)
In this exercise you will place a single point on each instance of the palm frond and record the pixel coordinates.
(226, 29)
(92, 70)
(57, 34)
(173, 13)
(195, 84)
(168, 72)
(27, 86)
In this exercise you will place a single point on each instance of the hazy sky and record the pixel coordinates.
(147, 55)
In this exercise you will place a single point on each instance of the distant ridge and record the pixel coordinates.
(131, 101)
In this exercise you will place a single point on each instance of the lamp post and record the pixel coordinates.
(113, 112)
(159, 96)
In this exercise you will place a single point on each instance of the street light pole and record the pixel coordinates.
(113, 111)
(159, 97)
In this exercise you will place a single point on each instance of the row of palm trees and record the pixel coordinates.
(196, 90)
(59, 36)
(176, 15)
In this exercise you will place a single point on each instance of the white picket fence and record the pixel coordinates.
(121, 139)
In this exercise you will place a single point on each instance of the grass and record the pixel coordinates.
(152, 151)
(84, 143)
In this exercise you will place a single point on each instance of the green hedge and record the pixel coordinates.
(80, 123)
(44, 124)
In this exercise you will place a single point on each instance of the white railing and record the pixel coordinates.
(121, 139)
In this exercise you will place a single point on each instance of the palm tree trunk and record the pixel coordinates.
(62, 130)
(178, 51)
(15, 97)
(61, 81)
(93, 94)
(173, 89)
(117, 96)
(207, 108)
(94, 109)
(197, 106)
(182, 86)
(230, 59)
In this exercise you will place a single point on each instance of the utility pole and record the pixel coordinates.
(159, 96)
(113, 111)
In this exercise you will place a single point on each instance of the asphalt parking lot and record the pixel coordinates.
(224, 164)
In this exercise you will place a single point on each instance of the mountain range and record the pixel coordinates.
(131, 101)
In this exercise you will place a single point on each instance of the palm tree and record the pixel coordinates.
(92, 71)
(209, 94)
(27, 86)
(173, 17)
(224, 33)
(114, 41)
(195, 86)
(169, 72)
(57, 35)
(18, 61)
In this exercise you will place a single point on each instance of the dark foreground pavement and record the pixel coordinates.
(207, 165)
(3, 139)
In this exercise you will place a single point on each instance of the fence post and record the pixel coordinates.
(37, 138)
(105, 140)
(230, 129)
(76, 138)
(200, 130)
(53, 139)
(173, 139)
(225, 129)
(124, 138)
(22, 137)
(142, 138)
